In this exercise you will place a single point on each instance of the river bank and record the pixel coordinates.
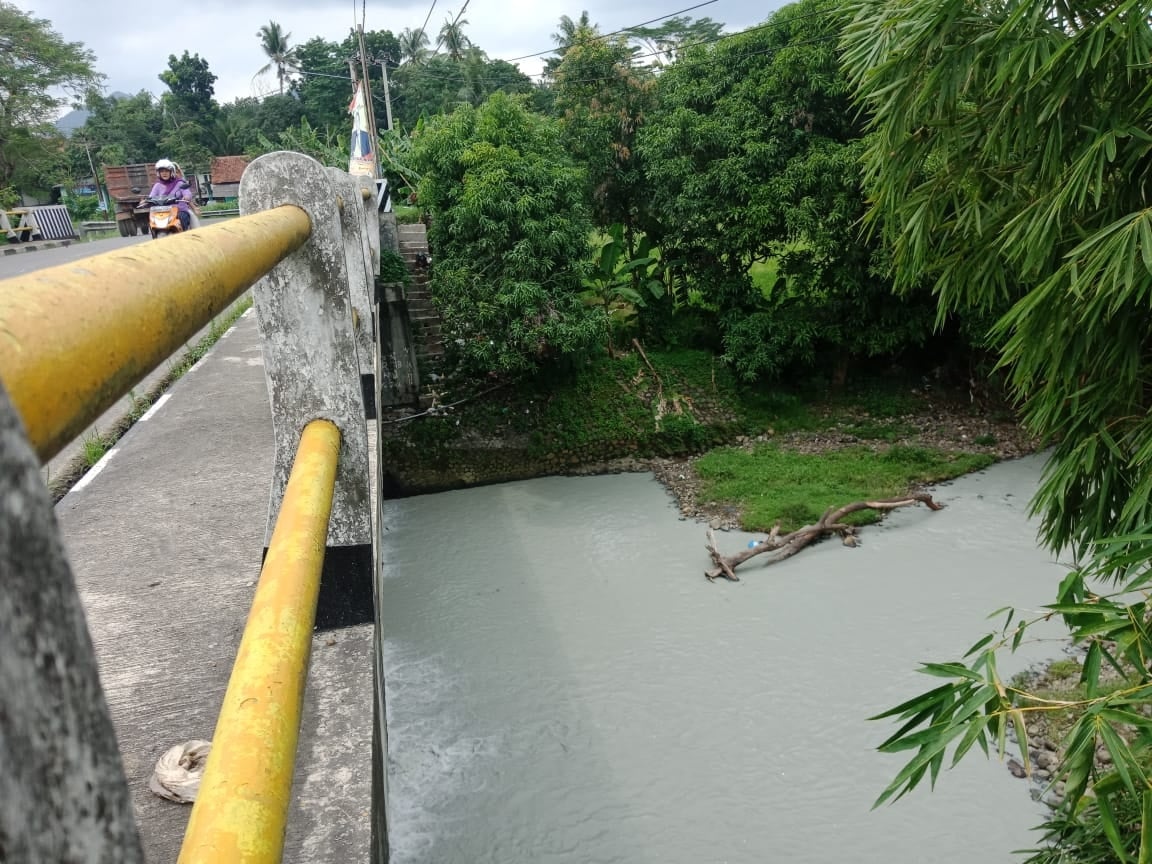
(940, 425)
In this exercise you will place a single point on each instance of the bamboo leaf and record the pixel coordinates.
(1111, 828)
(1145, 855)
(979, 644)
(950, 670)
(1021, 737)
(918, 703)
(1090, 672)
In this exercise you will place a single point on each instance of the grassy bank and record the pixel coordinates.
(793, 453)
(767, 484)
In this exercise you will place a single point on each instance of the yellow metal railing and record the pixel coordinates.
(75, 338)
(242, 809)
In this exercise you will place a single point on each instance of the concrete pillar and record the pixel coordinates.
(305, 315)
(63, 796)
(361, 274)
(401, 374)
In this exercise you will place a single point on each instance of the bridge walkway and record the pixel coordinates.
(165, 537)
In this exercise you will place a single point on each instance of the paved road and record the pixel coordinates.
(27, 262)
(65, 466)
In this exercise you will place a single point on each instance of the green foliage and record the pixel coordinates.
(94, 445)
(620, 405)
(324, 88)
(753, 155)
(118, 131)
(769, 483)
(406, 215)
(437, 85)
(619, 282)
(1106, 804)
(190, 88)
(36, 66)
(662, 42)
(1066, 242)
(602, 100)
(1007, 163)
(190, 109)
(508, 233)
(82, 208)
(323, 145)
(392, 268)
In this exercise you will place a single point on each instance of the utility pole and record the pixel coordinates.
(96, 178)
(383, 61)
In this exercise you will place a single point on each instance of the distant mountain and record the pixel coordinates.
(73, 120)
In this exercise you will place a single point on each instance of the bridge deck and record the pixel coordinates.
(165, 540)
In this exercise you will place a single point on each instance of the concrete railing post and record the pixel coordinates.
(63, 795)
(352, 193)
(306, 319)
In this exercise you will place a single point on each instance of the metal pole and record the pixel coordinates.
(96, 178)
(241, 812)
(387, 91)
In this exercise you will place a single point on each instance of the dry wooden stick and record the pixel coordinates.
(787, 545)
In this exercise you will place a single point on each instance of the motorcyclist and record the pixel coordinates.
(170, 185)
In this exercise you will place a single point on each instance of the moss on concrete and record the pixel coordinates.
(629, 407)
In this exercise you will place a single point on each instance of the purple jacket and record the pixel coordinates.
(172, 187)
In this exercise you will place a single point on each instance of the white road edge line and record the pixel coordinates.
(147, 415)
(94, 470)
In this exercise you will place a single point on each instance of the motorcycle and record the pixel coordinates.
(164, 214)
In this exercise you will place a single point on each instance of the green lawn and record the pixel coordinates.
(769, 483)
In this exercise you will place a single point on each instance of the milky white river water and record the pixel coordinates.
(564, 685)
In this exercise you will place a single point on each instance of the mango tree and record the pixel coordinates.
(752, 154)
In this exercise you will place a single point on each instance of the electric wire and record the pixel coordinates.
(424, 26)
(772, 24)
(618, 32)
(769, 25)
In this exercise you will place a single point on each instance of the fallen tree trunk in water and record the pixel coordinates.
(787, 545)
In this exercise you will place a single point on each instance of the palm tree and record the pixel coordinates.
(453, 39)
(281, 57)
(570, 32)
(413, 46)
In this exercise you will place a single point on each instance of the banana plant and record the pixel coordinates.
(620, 282)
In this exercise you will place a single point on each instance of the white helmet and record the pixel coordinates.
(166, 163)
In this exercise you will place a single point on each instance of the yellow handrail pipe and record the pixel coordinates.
(242, 808)
(75, 338)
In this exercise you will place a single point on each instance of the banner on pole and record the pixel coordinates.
(362, 158)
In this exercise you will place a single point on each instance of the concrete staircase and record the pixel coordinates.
(427, 336)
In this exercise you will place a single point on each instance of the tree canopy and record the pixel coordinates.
(753, 156)
(510, 232)
(35, 63)
(602, 100)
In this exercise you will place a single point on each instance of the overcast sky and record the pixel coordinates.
(132, 41)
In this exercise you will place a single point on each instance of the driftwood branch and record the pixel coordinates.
(786, 545)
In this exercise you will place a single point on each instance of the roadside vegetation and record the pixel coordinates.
(782, 241)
